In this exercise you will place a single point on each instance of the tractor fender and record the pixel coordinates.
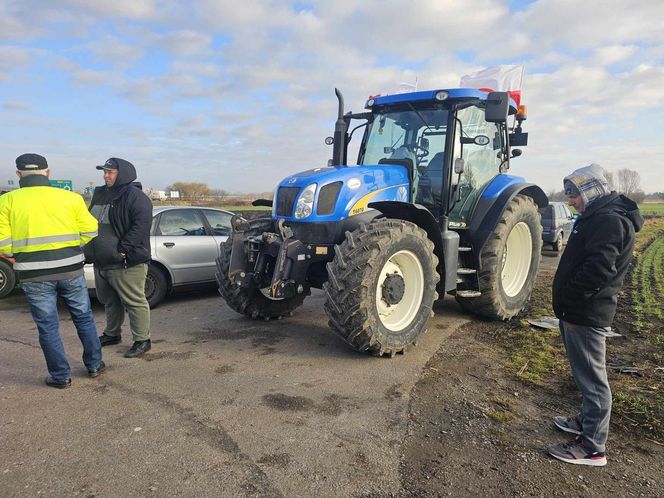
(490, 208)
(446, 242)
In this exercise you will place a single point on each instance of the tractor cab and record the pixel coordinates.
(443, 138)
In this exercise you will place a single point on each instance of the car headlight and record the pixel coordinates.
(305, 204)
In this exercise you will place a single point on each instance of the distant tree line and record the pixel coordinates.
(205, 195)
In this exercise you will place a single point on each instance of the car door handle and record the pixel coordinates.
(169, 244)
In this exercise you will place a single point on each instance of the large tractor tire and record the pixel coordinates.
(252, 301)
(381, 286)
(510, 260)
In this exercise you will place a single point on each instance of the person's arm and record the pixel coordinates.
(5, 229)
(605, 241)
(140, 212)
(87, 224)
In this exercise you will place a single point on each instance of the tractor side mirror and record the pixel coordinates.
(329, 140)
(497, 107)
(459, 165)
(516, 152)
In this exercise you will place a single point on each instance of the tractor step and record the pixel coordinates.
(465, 249)
(466, 271)
(468, 293)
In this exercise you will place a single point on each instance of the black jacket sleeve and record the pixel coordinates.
(140, 221)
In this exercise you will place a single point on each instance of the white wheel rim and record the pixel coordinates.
(398, 316)
(516, 259)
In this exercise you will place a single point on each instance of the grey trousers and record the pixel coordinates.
(120, 289)
(586, 352)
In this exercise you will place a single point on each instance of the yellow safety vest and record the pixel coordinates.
(43, 228)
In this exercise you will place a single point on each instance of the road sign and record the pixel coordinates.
(63, 184)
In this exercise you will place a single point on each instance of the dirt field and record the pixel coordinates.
(477, 428)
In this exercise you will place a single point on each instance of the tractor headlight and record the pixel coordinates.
(305, 204)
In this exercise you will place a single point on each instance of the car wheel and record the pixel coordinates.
(7, 279)
(156, 286)
(558, 244)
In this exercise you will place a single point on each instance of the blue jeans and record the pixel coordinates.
(43, 298)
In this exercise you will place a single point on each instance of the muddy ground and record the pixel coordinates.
(477, 429)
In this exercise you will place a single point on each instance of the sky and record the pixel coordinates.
(239, 95)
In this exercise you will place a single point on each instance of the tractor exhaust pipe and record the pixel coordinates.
(340, 134)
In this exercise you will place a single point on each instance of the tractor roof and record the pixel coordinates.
(430, 95)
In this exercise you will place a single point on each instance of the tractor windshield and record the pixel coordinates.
(415, 135)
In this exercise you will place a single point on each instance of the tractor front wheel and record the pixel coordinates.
(381, 286)
(252, 301)
(510, 260)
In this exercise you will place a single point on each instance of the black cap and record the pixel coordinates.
(31, 162)
(109, 164)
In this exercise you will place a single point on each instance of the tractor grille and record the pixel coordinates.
(286, 200)
(328, 198)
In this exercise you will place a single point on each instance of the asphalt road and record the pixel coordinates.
(221, 406)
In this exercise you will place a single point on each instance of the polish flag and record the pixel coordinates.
(498, 78)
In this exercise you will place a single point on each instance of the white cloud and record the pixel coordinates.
(13, 58)
(14, 105)
(607, 56)
(237, 87)
(130, 9)
(184, 42)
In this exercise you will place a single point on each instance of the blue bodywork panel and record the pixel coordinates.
(499, 184)
(429, 95)
(384, 182)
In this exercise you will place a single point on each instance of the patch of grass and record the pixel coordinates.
(501, 416)
(647, 412)
(647, 281)
(652, 208)
(534, 354)
(639, 401)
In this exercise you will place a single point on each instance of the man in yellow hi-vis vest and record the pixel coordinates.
(43, 229)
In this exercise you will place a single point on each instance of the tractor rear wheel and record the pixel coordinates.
(381, 286)
(251, 301)
(510, 260)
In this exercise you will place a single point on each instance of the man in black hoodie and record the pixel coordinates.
(121, 254)
(585, 296)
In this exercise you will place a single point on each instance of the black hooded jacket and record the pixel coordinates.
(594, 264)
(130, 218)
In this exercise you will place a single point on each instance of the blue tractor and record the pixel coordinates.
(427, 210)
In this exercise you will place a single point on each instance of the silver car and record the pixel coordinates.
(185, 243)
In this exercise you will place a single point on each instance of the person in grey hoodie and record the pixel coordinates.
(585, 296)
(121, 254)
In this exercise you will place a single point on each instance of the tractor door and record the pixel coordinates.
(479, 143)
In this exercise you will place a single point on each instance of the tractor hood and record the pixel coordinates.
(333, 194)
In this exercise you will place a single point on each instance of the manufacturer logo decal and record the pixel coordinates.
(292, 180)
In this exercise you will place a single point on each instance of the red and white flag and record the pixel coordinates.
(499, 79)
